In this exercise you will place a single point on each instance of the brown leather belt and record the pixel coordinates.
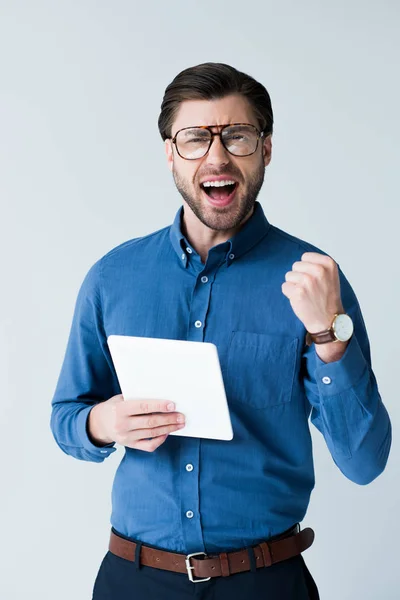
(282, 547)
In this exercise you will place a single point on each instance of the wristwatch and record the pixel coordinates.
(341, 330)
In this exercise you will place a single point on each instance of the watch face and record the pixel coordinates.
(343, 327)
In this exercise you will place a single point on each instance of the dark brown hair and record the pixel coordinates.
(209, 81)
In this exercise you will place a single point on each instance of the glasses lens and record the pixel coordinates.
(240, 140)
(193, 143)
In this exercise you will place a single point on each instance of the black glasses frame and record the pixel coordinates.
(260, 134)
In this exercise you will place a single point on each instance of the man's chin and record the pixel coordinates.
(220, 218)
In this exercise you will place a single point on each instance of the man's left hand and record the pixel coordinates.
(313, 288)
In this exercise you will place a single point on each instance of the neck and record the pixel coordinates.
(202, 237)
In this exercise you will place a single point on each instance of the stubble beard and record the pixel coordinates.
(224, 218)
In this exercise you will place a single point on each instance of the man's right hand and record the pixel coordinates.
(130, 422)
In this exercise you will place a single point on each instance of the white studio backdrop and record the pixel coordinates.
(82, 169)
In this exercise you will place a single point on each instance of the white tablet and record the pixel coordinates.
(188, 373)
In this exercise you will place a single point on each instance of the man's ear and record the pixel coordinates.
(267, 149)
(169, 153)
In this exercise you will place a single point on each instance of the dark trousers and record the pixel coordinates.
(121, 579)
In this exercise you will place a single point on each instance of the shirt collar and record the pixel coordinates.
(246, 238)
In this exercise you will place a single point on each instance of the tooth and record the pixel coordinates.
(218, 183)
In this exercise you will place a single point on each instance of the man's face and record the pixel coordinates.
(246, 171)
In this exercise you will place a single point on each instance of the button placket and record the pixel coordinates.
(190, 495)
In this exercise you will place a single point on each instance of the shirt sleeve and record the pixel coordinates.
(87, 375)
(346, 406)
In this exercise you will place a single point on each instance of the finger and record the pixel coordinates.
(317, 258)
(140, 434)
(142, 407)
(288, 288)
(294, 277)
(155, 420)
(316, 269)
(150, 445)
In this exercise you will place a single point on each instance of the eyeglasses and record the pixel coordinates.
(239, 139)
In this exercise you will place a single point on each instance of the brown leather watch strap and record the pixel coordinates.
(320, 338)
(224, 564)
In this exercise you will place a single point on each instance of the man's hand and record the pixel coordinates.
(130, 422)
(313, 288)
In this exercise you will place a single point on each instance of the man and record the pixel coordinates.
(292, 345)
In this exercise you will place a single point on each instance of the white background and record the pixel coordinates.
(82, 169)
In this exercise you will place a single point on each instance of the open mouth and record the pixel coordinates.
(220, 194)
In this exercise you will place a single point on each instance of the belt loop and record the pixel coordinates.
(252, 559)
(225, 571)
(137, 555)
(266, 552)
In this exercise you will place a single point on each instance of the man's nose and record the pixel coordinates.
(217, 154)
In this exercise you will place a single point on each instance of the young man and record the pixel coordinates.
(292, 345)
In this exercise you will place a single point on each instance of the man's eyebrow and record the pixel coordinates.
(200, 130)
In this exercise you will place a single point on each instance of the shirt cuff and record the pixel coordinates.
(81, 425)
(338, 376)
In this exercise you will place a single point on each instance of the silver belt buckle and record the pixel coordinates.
(189, 568)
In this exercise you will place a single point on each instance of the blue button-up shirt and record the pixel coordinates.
(196, 494)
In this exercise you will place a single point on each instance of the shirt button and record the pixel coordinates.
(103, 451)
(204, 279)
(189, 514)
(326, 380)
(183, 256)
(189, 467)
(232, 256)
(189, 250)
(198, 324)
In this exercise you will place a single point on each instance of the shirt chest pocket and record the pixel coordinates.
(260, 368)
